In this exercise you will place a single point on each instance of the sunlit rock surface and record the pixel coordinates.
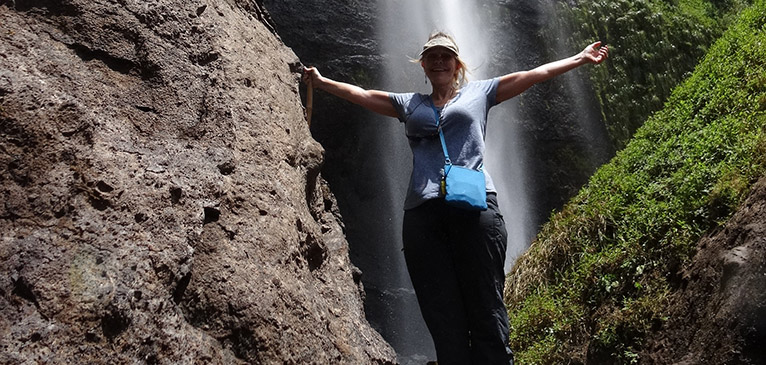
(162, 201)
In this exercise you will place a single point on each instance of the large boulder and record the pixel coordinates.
(162, 201)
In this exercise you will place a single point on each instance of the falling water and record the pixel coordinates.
(402, 29)
(495, 37)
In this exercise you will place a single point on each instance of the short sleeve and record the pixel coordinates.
(401, 102)
(488, 88)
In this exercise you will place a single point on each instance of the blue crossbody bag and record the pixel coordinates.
(461, 187)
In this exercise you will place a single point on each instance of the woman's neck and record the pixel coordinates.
(441, 95)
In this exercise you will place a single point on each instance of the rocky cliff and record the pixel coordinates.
(162, 201)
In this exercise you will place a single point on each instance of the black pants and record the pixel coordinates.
(455, 259)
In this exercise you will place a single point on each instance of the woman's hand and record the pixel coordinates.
(311, 75)
(594, 53)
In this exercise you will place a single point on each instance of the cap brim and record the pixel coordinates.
(438, 46)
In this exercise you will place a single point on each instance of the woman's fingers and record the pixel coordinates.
(597, 53)
(310, 74)
(603, 53)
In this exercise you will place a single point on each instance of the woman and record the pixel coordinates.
(454, 256)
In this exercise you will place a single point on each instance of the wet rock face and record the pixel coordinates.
(161, 197)
(338, 37)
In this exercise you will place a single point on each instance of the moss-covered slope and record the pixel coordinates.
(596, 282)
(655, 44)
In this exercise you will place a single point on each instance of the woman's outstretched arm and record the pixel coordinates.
(374, 100)
(515, 83)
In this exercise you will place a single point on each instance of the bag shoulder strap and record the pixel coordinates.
(447, 160)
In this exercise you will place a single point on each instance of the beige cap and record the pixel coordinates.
(440, 40)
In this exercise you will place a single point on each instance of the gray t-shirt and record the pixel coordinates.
(464, 122)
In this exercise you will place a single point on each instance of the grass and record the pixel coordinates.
(596, 281)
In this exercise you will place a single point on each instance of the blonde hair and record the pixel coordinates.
(460, 77)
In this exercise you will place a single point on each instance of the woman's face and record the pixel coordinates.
(440, 65)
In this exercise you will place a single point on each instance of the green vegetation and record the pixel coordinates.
(654, 43)
(597, 280)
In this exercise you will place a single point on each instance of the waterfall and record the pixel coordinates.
(530, 139)
(402, 28)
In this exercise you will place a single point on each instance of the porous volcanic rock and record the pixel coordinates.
(161, 196)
